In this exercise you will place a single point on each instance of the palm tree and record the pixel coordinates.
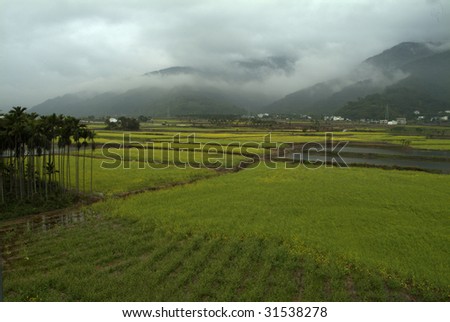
(76, 138)
(67, 130)
(40, 142)
(84, 134)
(47, 125)
(61, 149)
(3, 147)
(29, 162)
(17, 129)
(32, 145)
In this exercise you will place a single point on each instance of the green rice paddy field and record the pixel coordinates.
(259, 234)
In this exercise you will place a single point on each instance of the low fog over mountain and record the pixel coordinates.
(422, 68)
(400, 66)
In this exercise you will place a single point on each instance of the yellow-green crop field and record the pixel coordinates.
(290, 136)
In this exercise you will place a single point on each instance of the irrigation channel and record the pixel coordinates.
(11, 243)
(382, 155)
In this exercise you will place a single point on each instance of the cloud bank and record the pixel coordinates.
(49, 48)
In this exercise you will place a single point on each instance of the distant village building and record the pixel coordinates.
(112, 120)
(392, 123)
(444, 118)
(416, 112)
(333, 118)
(401, 120)
(261, 115)
(421, 117)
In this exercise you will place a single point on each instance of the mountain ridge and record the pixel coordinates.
(372, 76)
(421, 68)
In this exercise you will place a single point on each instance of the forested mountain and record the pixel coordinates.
(142, 101)
(393, 102)
(408, 73)
(419, 67)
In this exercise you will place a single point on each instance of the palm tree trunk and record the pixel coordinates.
(59, 169)
(44, 181)
(2, 192)
(36, 175)
(2, 182)
(30, 175)
(39, 175)
(62, 156)
(68, 168)
(84, 170)
(21, 175)
(92, 167)
(77, 171)
(11, 173)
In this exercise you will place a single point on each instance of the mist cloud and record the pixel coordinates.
(49, 48)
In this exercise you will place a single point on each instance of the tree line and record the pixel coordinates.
(41, 156)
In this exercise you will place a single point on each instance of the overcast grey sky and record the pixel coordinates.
(52, 47)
